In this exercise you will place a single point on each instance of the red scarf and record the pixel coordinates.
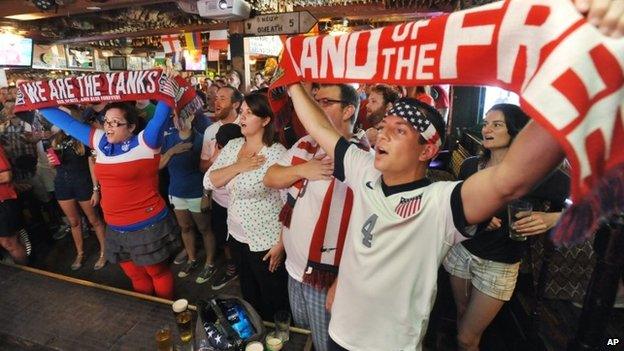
(569, 77)
(331, 226)
(109, 87)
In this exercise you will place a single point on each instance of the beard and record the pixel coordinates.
(376, 116)
(223, 114)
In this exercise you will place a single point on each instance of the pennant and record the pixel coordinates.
(171, 43)
(569, 76)
(193, 41)
(218, 39)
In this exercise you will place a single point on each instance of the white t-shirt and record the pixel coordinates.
(388, 272)
(208, 152)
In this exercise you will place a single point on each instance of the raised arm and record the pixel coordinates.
(314, 119)
(68, 124)
(531, 157)
(152, 135)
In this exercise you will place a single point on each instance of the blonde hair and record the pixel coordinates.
(61, 137)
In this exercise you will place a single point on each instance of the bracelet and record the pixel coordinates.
(96, 188)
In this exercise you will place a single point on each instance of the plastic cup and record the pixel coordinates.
(254, 346)
(273, 342)
(53, 157)
(282, 325)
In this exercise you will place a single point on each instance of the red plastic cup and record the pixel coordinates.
(53, 157)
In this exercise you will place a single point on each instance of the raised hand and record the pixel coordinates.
(606, 15)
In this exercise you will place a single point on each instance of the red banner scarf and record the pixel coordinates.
(569, 77)
(109, 87)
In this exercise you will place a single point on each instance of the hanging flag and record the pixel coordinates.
(218, 39)
(170, 43)
(213, 54)
(193, 41)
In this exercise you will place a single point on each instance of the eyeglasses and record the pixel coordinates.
(324, 102)
(114, 124)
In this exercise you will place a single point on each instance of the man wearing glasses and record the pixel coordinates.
(316, 213)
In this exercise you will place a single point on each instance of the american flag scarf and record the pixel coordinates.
(331, 227)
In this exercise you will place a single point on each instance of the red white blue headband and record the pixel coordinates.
(409, 111)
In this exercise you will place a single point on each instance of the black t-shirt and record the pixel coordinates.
(71, 162)
(495, 245)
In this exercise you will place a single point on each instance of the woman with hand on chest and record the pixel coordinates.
(253, 226)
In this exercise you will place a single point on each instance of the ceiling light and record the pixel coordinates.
(93, 8)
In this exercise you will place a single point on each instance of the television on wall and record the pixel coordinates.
(16, 51)
(194, 63)
(117, 63)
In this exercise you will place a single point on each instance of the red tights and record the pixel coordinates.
(156, 278)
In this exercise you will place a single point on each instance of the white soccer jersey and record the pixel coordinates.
(395, 244)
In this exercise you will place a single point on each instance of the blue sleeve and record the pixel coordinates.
(152, 135)
(68, 124)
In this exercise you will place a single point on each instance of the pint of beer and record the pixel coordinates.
(184, 320)
(164, 341)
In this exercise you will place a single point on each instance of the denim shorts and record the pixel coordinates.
(495, 279)
(73, 187)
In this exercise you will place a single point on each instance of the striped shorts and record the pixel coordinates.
(495, 279)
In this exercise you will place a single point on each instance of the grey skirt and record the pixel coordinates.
(146, 246)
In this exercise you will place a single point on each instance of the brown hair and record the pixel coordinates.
(259, 104)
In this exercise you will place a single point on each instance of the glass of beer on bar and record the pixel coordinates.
(184, 320)
(164, 340)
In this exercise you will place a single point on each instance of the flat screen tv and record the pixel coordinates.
(117, 63)
(16, 51)
(194, 63)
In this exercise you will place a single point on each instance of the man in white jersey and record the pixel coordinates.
(316, 206)
(402, 225)
(227, 105)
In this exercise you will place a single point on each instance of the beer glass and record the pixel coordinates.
(163, 339)
(184, 320)
(516, 210)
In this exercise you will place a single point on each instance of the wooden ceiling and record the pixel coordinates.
(82, 21)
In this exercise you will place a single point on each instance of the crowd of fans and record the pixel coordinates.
(340, 225)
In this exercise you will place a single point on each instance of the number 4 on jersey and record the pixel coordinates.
(367, 230)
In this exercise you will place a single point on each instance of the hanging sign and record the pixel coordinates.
(280, 23)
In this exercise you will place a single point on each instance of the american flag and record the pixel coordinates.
(408, 207)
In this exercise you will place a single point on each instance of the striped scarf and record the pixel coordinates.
(331, 226)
